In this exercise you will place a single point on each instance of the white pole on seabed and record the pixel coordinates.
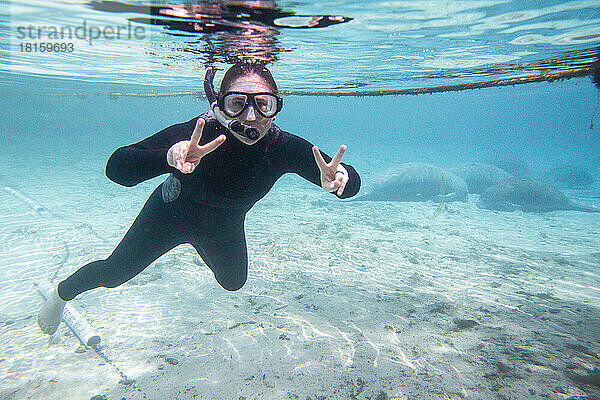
(84, 332)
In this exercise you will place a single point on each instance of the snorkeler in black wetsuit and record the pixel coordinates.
(216, 176)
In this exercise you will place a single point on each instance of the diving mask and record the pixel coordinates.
(233, 104)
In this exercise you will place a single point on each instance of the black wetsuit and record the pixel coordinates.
(209, 209)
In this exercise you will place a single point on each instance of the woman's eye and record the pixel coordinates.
(237, 104)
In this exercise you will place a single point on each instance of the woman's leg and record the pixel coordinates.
(156, 230)
(225, 253)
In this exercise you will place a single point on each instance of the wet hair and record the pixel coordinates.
(244, 69)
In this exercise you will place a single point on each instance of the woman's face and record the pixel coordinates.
(251, 84)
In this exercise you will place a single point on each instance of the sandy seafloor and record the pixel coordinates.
(344, 300)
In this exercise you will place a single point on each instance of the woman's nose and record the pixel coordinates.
(250, 116)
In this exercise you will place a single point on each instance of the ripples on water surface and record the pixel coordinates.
(384, 45)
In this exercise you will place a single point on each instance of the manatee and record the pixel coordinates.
(512, 165)
(528, 196)
(417, 182)
(480, 176)
(572, 176)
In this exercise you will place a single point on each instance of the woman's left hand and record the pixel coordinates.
(333, 175)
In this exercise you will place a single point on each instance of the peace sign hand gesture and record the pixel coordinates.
(186, 155)
(333, 175)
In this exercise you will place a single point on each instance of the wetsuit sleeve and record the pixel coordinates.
(302, 162)
(130, 165)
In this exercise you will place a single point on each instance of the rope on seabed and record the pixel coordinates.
(544, 77)
(126, 380)
(45, 212)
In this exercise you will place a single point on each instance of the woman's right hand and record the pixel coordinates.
(186, 155)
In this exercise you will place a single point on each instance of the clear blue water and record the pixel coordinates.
(345, 300)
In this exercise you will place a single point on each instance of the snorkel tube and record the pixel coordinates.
(230, 123)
